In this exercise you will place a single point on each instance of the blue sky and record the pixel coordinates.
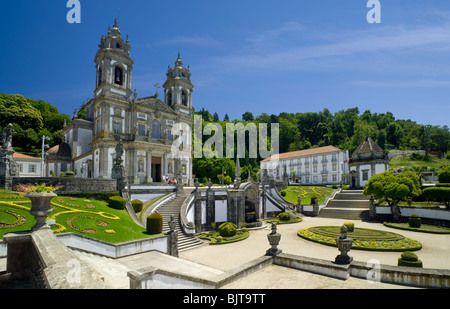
(259, 56)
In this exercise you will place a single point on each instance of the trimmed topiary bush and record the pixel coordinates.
(137, 205)
(70, 174)
(414, 221)
(155, 223)
(283, 193)
(117, 202)
(409, 259)
(227, 229)
(284, 216)
(350, 226)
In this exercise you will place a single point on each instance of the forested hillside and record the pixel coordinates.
(344, 129)
(31, 120)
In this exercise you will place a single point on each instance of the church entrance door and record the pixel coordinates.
(156, 169)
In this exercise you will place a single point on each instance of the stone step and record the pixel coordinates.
(348, 204)
(173, 207)
(351, 196)
(344, 213)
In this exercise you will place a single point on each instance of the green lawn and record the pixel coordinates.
(85, 217)
(306, 192)
(405, 160)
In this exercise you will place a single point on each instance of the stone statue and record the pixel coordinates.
(7, 137)
(8, 165)
(118, 170)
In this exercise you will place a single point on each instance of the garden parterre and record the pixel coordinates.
(87, 217)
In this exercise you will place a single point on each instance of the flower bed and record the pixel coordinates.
(85, 223)
(363, 239)
(10, 218)
(216, 239)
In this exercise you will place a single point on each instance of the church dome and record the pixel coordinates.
(368, 150)
(61, 150)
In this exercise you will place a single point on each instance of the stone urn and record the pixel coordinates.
(40, 207)
(274, 240)
(344, 244)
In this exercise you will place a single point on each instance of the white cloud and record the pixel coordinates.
(345, 48)
(405, 84)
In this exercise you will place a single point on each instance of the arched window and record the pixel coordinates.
(169, 98)
(156, 129)
(118, 76)
(99, 78)
(184, 98)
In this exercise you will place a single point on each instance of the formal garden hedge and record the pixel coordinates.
(227, 233)
(284, 218)
(363, 239)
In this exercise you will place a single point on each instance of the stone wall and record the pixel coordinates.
(72, 184)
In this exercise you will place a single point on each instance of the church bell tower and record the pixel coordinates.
(178, 88)
(113, 66)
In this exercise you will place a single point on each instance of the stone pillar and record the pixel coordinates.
(197, 209)
(299, 205)
(264, 207)
(210, 206)
(173, 238)
(395, 210)
(149, 167)
(235, 207)
(372, 209)
(135, 165)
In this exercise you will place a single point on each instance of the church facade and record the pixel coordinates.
(143, 125)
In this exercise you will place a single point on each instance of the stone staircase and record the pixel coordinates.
(173, 207)
(347, 204)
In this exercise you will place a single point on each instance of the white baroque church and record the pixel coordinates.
(143, 125)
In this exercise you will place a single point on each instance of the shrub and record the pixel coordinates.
(409, 259)
(283, 193)
(61, 174)
(137, 205)
(155, 223)
(117, 202)
(227, 229)
(227, 180)
(414, 221)
(444, 175)
(219, 238)
(70, 174)
(334, 187)
(313, 199)
(350, 226)
(441, 194)
(284, 216)
(443, 184)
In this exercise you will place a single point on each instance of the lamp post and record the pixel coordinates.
(44, 146)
